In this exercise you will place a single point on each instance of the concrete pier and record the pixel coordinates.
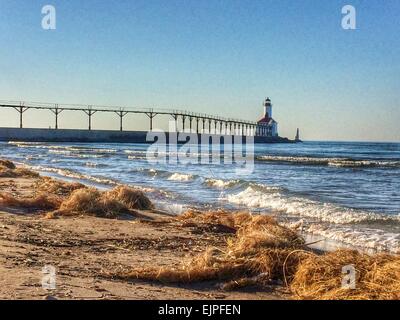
(100, 136)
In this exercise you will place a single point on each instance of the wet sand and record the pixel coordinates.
(87, 250)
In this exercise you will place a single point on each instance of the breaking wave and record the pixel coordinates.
(327, 220)
(74, 151)
(221, 184)
(334, 162)
(181, 177)
(302, 207)
(372, 239)
(75, 175)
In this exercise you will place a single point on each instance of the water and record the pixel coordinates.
(345, 193)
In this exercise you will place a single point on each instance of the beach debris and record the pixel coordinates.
(108, 204)
(7, 164)
(93, 202)
(261, 247)
(264, 253)
(131, 197)
(321, 276)
(40, 202)
(6, 172)
(58, 187)
(71, 198)
(9, 170)
(219, 217)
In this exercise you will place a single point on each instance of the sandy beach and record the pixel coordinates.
(85, 250)
(115, 245)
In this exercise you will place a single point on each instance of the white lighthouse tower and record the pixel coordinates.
(267, 126)
(268, 108)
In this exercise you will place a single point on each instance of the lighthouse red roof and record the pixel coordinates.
(264, 120)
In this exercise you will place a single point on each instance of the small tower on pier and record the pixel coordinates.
(297, 138)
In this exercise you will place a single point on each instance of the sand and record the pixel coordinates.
(87, 250)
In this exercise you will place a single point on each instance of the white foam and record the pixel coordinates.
(74, 175)
(334, 162)
(95, 165)
(372, 239)
(221, 184)
(324, 212)
(181, 177)
(326, 220)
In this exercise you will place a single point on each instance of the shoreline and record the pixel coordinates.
(318, 242)
(96, 257)
(85, 248)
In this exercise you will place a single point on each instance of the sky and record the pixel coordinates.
(220, 57)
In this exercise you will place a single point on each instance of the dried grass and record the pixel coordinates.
(108, 204)
(41, 202)
(6, 172)
(263, 251)
(261, 247)
(131, 198)
(7, 164)
(229, 219)
(320, 277)
(57, 187)
(91, 201)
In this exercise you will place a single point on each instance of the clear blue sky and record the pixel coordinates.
(216, 56)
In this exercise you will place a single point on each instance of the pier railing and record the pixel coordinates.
(219, 124)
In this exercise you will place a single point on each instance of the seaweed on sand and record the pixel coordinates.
(261, 247)
(41, 202)
(92, 202)
(7, 172)
(131, 197)
(57, 187)
(7, 164)
(321, 276)
(263, 252)
(108, 204)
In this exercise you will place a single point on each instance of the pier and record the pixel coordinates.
(193, 123)
(190, 121)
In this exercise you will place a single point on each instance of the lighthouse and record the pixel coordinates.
(268, 108)
(297, 138)
(267, 126)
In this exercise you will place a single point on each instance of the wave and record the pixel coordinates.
(137, 157)
(155, 193)
(302, 207)
(373, 239)
(95, 165)
(57, 149)
(326, 220)
(75, 175)
(334, 162)
(181, 177)
(221, 184)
